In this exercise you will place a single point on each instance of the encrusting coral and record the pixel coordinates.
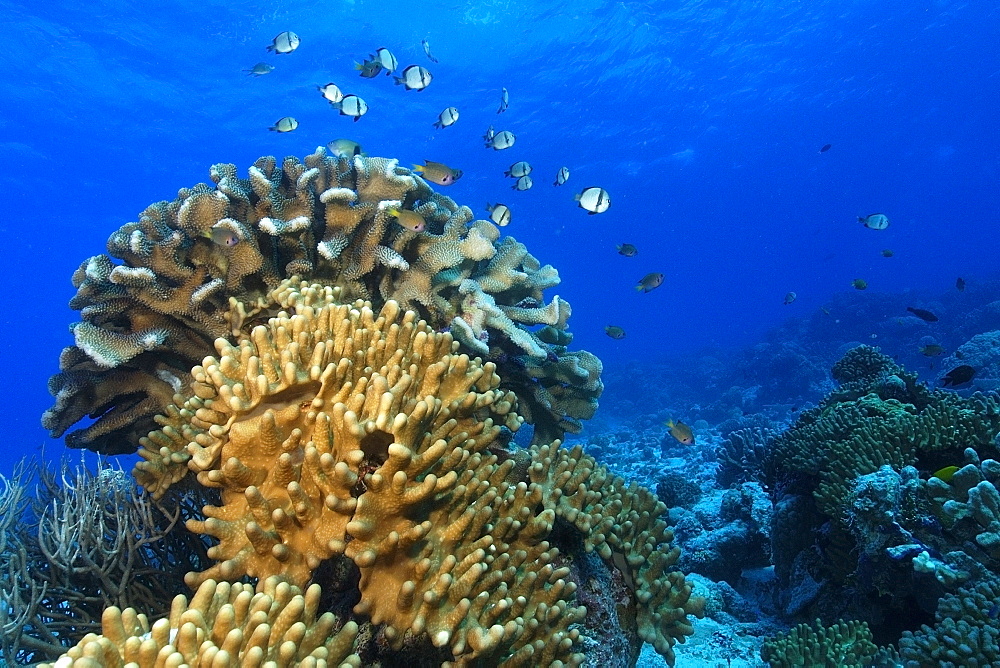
(204, 265)
(341, 431)
(223, 625)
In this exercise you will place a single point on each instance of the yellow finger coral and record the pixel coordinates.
(339, 430)
(223, 625)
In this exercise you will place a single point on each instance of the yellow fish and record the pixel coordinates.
(411, 220)
(947, 473)
(438, 173)
(680, 431)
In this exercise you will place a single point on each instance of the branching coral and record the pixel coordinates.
(844, 644)
(90, 541)
(223, 625)
(339, 430)
(193, 266)
(965, 632)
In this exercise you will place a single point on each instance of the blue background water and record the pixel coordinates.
(703, 120)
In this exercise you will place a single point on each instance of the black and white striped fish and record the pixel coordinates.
(593, 200)
(351, 105)
(523, 183)
(499, 213)
(285, 124)
(414, 77)
(518, 169)
(446, 117)
(284, 42)
(504, 101)
(501, 140)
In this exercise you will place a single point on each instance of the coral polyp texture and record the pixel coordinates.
(344, 431)
(205, 265)
(222, 625)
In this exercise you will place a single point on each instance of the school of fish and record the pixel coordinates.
(592, 199)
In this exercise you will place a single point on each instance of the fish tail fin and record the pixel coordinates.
(639, 288)
(419, 169)
(576, 197)
(438, 124)
(337, 105)
(399, 81)
(359, 66)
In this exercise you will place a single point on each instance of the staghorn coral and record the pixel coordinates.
(192, 269)
(341, 431)
(223, 625)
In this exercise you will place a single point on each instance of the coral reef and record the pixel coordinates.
(965, 632)
(880, 415)
(205, 265)
(222, 625)
(339, 430)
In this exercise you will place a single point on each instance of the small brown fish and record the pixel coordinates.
(628, 250)
(826, 147)
(960, 284)
(859, 284)
(960, 375)
(649, 282)
(438, 173)
(789, 298)
(923, 314)
(224, 236)
(887, 253)
(411, 220)
(680, 431)
(614, 332)
(932, 350)
(368, 69)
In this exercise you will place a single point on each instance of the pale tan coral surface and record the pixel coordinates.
(188, 270)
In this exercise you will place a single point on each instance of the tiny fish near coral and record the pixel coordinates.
(437, 172)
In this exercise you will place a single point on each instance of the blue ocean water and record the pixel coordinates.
(703, 120)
